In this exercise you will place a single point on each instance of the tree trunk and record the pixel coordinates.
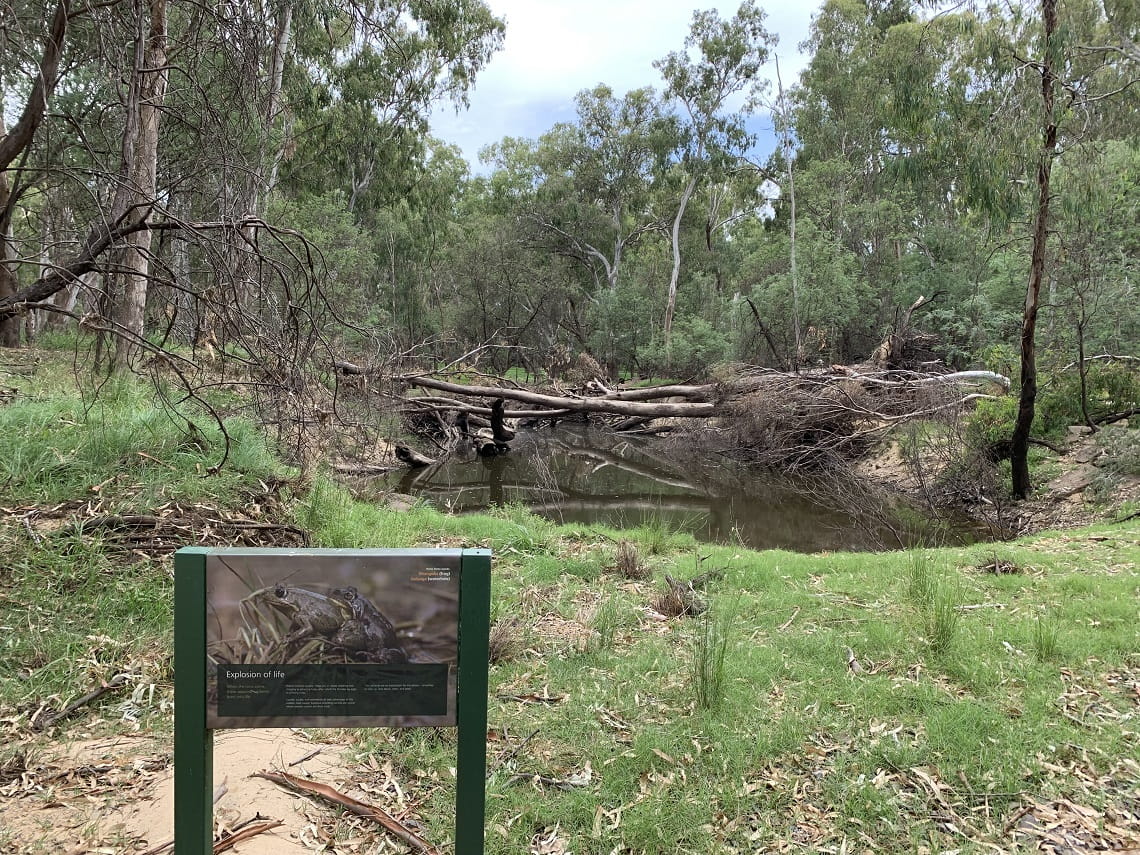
(10, 328)
(786, 121)
(671, 300)
(1019, 454)
(273, 111)
(14, 143)
(139, 168)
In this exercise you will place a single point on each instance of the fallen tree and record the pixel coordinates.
(790, 420)
(697, 401)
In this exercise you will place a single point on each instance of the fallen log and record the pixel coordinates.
(412, 457)
(784, 419)
(701, 401)
(600, 404)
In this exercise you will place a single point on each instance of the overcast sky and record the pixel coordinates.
(556, 48)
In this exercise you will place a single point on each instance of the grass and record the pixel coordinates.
(707, 663)
(979, 694)
(124, 443)
(719, 734)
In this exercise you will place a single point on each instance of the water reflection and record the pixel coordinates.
(588, 476)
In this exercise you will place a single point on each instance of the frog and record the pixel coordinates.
(368, 631)
(310, 613)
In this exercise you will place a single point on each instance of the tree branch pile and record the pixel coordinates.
(789, 420)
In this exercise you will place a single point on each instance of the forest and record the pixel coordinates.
(254, 186)
(241, 284)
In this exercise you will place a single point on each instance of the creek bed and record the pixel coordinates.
(575, 474)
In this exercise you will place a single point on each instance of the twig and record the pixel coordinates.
(36, 539)
(246, 833)
(118, 681)
(333, 796)
(225, 843)
(788, 622)
(500, 763)
(308, 756)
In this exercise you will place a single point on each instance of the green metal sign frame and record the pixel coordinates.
(194, 742)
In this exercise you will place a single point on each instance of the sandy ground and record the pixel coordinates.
(116, 795)
(237, 754)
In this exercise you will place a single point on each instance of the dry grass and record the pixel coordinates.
(627, 562)
(504, 642)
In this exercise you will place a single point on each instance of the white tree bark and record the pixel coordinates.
(674, 277)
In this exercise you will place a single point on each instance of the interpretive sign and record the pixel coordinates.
(328, 638)
(320, 639)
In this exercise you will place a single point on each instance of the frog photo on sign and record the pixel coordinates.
(340, 625)
(326, 639)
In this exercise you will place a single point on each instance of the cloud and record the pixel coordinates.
(556, 48)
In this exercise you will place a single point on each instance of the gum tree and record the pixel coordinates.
(720, 62)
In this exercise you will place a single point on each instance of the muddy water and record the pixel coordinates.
(588, 476)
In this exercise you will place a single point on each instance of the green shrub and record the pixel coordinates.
(991, 422)
(1121, 446)
(1001, 358)
(695, 345)
(1110, 388)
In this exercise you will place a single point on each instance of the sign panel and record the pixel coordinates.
(331, 638)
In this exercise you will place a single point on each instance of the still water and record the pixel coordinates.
(583, 475)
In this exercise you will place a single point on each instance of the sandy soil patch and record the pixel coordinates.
(116, 795)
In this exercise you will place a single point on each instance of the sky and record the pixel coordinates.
(556, 48)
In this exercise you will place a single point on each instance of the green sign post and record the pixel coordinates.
(361, 635)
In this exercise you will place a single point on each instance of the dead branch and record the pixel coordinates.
(43, 723)
(243, 832)
(1104, 357)
(230, 841)
(588, 405)
(328, 794)
(413, 458)
(100, 239)
(791, 421)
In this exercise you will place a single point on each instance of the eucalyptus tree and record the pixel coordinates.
(721, 61)
(847, 148)
(591, 182)
(1019, 91)
(136, 190)
(1095, 286)
(244, 92)
(20, 36)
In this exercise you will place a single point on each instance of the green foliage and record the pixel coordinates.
(1002, 359)
(708, 665)
(127, 442)
(1121, 446)
(991, 422)
(1110, 388)
(695, 346)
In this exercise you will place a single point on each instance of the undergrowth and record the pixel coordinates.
(969, 694)
(126, 444)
